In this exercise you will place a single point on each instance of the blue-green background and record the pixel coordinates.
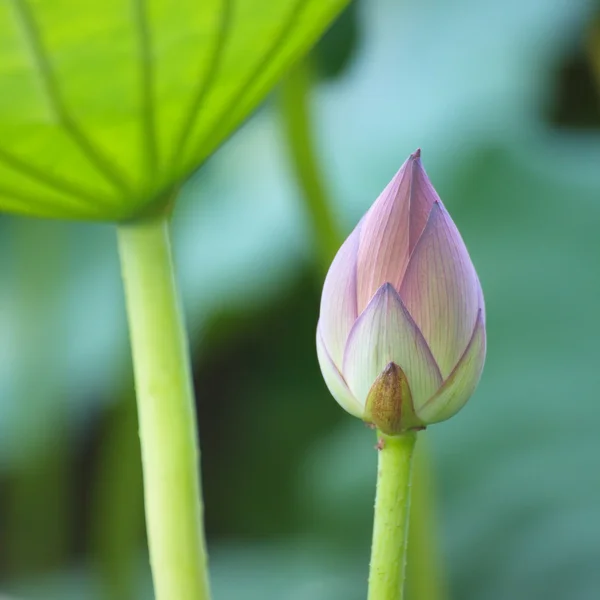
(500, 97)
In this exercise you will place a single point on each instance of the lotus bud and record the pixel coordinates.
(401, 335)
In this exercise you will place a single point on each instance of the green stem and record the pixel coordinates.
(297, 122)
(165, 400)
(392, 507)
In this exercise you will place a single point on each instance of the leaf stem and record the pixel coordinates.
(392, 507)
(298, 127)
(166, 413)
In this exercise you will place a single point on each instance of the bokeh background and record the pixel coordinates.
(501, 98)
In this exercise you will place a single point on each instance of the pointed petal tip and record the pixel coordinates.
(384, 289)
(416, 155)
(438, 207)
(392, 368)
(389, 403)
(387, 288)
(434, 212)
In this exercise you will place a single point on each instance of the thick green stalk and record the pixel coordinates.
(392, 507)
(166, 413)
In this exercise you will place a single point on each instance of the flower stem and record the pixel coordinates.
(166, 413)
(392, 507)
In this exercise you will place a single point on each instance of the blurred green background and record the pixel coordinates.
(501, 99)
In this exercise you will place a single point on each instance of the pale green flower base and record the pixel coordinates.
(392, 507)
(166, 413)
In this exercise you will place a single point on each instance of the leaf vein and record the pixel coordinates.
(207, 83)
(36, 202)
(147, 75)
(45, 178)
(51, 88)
(261, 64)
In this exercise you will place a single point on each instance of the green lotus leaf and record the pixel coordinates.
(107, 105)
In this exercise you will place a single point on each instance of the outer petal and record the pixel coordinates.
(461, 383)
(422, 197)
(386, 333)
(481, 301)
(391, 229)
(335, 382)
(441, 289)
(338, 301)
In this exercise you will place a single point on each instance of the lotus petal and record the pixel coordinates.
(461, 383)
(335, 382)
(441, 290)
(422, 197)
(385, 333)
(391, 229)
(338, 301)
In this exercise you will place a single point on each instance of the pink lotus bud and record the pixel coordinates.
(401, 335)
